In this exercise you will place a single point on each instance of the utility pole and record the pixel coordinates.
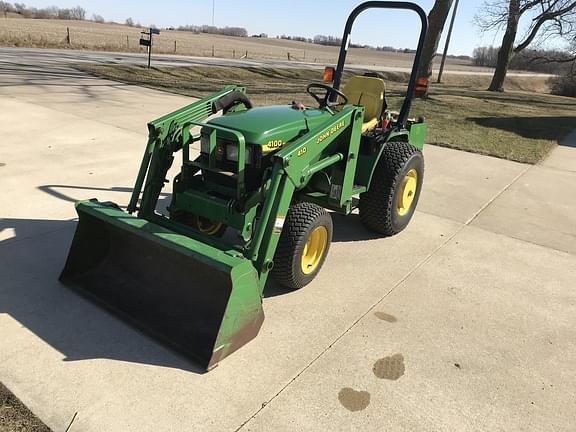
(447, 42)
(213, 9)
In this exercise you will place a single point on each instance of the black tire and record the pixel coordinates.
(379, 205)
(302, 219)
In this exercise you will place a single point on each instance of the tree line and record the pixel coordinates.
(534, 60)
(52, 12)
(336, 41)
(226, 31)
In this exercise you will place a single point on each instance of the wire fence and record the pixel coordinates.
(121, 38)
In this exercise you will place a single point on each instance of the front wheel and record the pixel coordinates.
(303, 245)
(391, 199)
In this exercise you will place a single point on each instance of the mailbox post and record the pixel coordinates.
(148, 42)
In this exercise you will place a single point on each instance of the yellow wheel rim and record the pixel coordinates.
(407, 192)
(207, 226)
(314, 249)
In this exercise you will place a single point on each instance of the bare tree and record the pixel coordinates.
(78, 13)
(5, 8)
(436, 19)
(548, 18)
(505, 52)
(20, 7)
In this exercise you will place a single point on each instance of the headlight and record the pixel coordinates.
(232, 153)
(205, 144)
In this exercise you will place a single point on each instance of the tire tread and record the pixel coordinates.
(376, 205)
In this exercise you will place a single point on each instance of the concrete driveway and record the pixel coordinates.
(466, 321)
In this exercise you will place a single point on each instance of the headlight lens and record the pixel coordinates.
(205, 144)
(231, 149)
(232, 153)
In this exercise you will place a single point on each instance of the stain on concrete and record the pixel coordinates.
(385, 317)
(390, 368)
(354, 400)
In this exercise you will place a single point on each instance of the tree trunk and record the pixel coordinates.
(506, 49)
(436, 19)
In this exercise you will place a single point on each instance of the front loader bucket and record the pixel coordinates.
(202, 301)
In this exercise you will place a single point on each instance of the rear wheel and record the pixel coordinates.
(390, 202)
(303, 245)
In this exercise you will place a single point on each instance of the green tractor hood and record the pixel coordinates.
(272, 126)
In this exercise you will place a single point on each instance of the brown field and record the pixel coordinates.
(19, 32)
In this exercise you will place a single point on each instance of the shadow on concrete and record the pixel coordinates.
(31, 261)
(350, 229)
(272, 289)
(570, 139)
(346, 229)
(53, 189)
(546, 128)
(44, 75)
(80, 330)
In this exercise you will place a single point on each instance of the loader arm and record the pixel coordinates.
(167, 135)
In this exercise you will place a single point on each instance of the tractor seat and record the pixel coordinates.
(369, 92)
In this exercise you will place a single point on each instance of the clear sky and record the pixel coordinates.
(291, 17)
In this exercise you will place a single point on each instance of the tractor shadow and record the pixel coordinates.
(545, 128)
(31, 294)
(346, 229)
(57, 191)
(350, 229)
(32, 255)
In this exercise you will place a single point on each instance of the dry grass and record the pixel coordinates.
(519, 125)
(14, 416)
(516, 125)
(119, 38)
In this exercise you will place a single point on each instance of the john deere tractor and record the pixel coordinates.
(256, 201)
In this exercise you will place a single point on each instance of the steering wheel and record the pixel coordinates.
(324, 101)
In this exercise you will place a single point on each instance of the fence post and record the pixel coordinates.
(68, 35)
(174, 46)
(127, 43)
(233, 53)
(212, 50)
